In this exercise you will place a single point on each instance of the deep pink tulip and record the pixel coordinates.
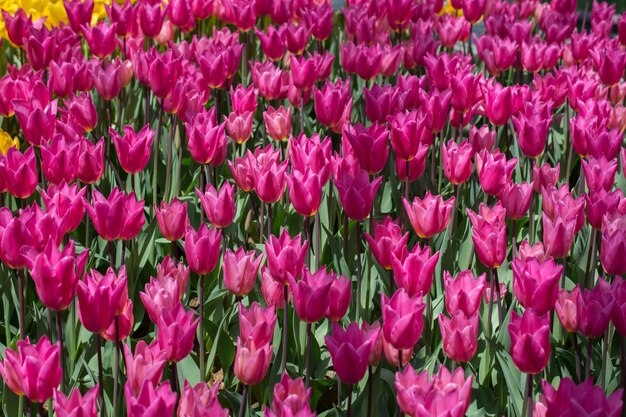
(402, 319)
(213, 67)
(151, 17)
(17, 26)
(530, 341)
(416, 166)
(37, 119)
(240, 270)
(370, 145)
(618, 315)
(244, 99)
(125, 322)
(257, 323)
(56, 274)
(120, 216)
(499, 104)
(90, 161)
(58, 160)
(536, 283)
(151, 400)
(290, 397)
(303, 75)
(463, 293)
(339, 298)
(601, 203)
(163, 73)
(207, 140)
(101, 38)
(312, 153)
(429, 216)
(107, 77)
(176, 331)
(65, 201)
(296, 38)
(305, 191)
(494, 171)
(558, 235)
(172, 219)
(271, 43)
(32, 371)
(415, 270)
(457, 161)
(270, 181)
(584, 399)
(373, 333)
(613, 248)
(98, 297)
(392, 355)
(146, 364)
(594, 309)
(82, 111)
(243, 172)
(545, 176)
(482, 138)
(566, 308)
(445, 394)
(15, 239)
(516, 199)
(277, 123)
(333, 104)
(134, 148)
(252, 360)
(271, 81)
(599, 173)
(239, 127)
(202, 248)
(609, 64)
(77, 405)
(489, 234)
(200, 401)
(285, 256)
(350, 350)
(78, 13)
(122, 15)
(406, 133)
(532, 126)
(356, 192)
(272, 290)
(460, 336)
(40, 44)
(20, 170)
(310, 294)
(387, 242)
(218, 206)
(560, 203)
(473, 10)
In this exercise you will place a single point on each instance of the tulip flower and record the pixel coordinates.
(58, 160)
(120, 216)
(240, 270)
(406, 132)
(33, 370)
(200, 400)
(460, 336)
(369, 145)
(350, 350)
(172, 219)
(530, 341)
(152, 400)
(273, 291)
(160, 294)
(583, 399)
(333, 105)
(445, 394)
(100, 38)
(533, 125)
(414, 168)
(516, 199)
(494, 171)
(17, 26)
(482, 139)
(489, 234)
(402, 319)
(457, 161)
(146, 364)
(65, 201)
(558, 235)
(133, 149)
(77, 404)
(202, 248)
(99, 299)
(305, 191)
(312, 153)
(16, 239)
(310, 294)
(82, 111)
(415, 271)
(499, 103)
(271, 81)
(599, 173)
(594, 309)
(239, 127)
(463, 293)
(285, 256)
(566, 308)
(218, 206)
(167, 268)
(545, 176)
(618, 315)
(387, 240)
(37, 119)
(56, 274)
(536, 283)
(269, 182)
(20, 170)
(613, 248)
(90, 161)
(252, 360)
(207, 140)
(339, 298)
(356, 192)
(600, 204)
(257, 323)
(429, 216)
(175, 333)
(609, 65)
(277, 123)
(373, 333)
(296, 38)
(290, 397)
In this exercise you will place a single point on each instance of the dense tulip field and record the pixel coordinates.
(278, 208)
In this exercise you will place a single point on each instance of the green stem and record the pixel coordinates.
(155, 164)
(201, 330)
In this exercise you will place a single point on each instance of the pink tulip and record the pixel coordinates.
(566, 308)
(460, 336)
(240, 270)
(270, 180)
(530, 341)
(296, 38)
(499, 103)
(16, 239)
(290, 397)
(445, 394)
(21, 172)
(545, 176)
(415, 271)
(533, 125)
(350, 350)
(272, 290)
(494, 171)
(56, 274)
(168, 268)
(36, 118)
(271, 81)
(392, 355)
(100, 38)
(407, 130)
(120, 216)
(82, 111)
(416, 166)
(536, 283)
(594, 309)
(285, 256)
(305, 191)
(244, 99)
(516, 199)
(77, 404)
(312, 153)
(99, 299)
(482, 138)
(239, 127)
(202, 248)
(388, 240)
(218, 206)
(133, 149)
(339, 298)
(463, 293)
(90, 161)
(489, 234)
(252, 360)
(310, 294)
(257, 323)
(17, 26)
(457, 161)
(402, 319)
(32, 371)
(200, 400)
(122, 325)
(151, 400)
(272, 43)
(429, 216)
(58, 160)
(243, 172)
(277, 123)
(613, 248)
(176, 331)
(599, 173)
(172, 219)
(356, 192)
(120, 14)
(609, 65)
(65, 201)
(600, 204)
(146, 365)
(582, 399)
(333, 105)
(558, 235)
(79, 13)
(303, 74)
(369, 145)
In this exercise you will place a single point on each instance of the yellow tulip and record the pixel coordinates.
(6, 142)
